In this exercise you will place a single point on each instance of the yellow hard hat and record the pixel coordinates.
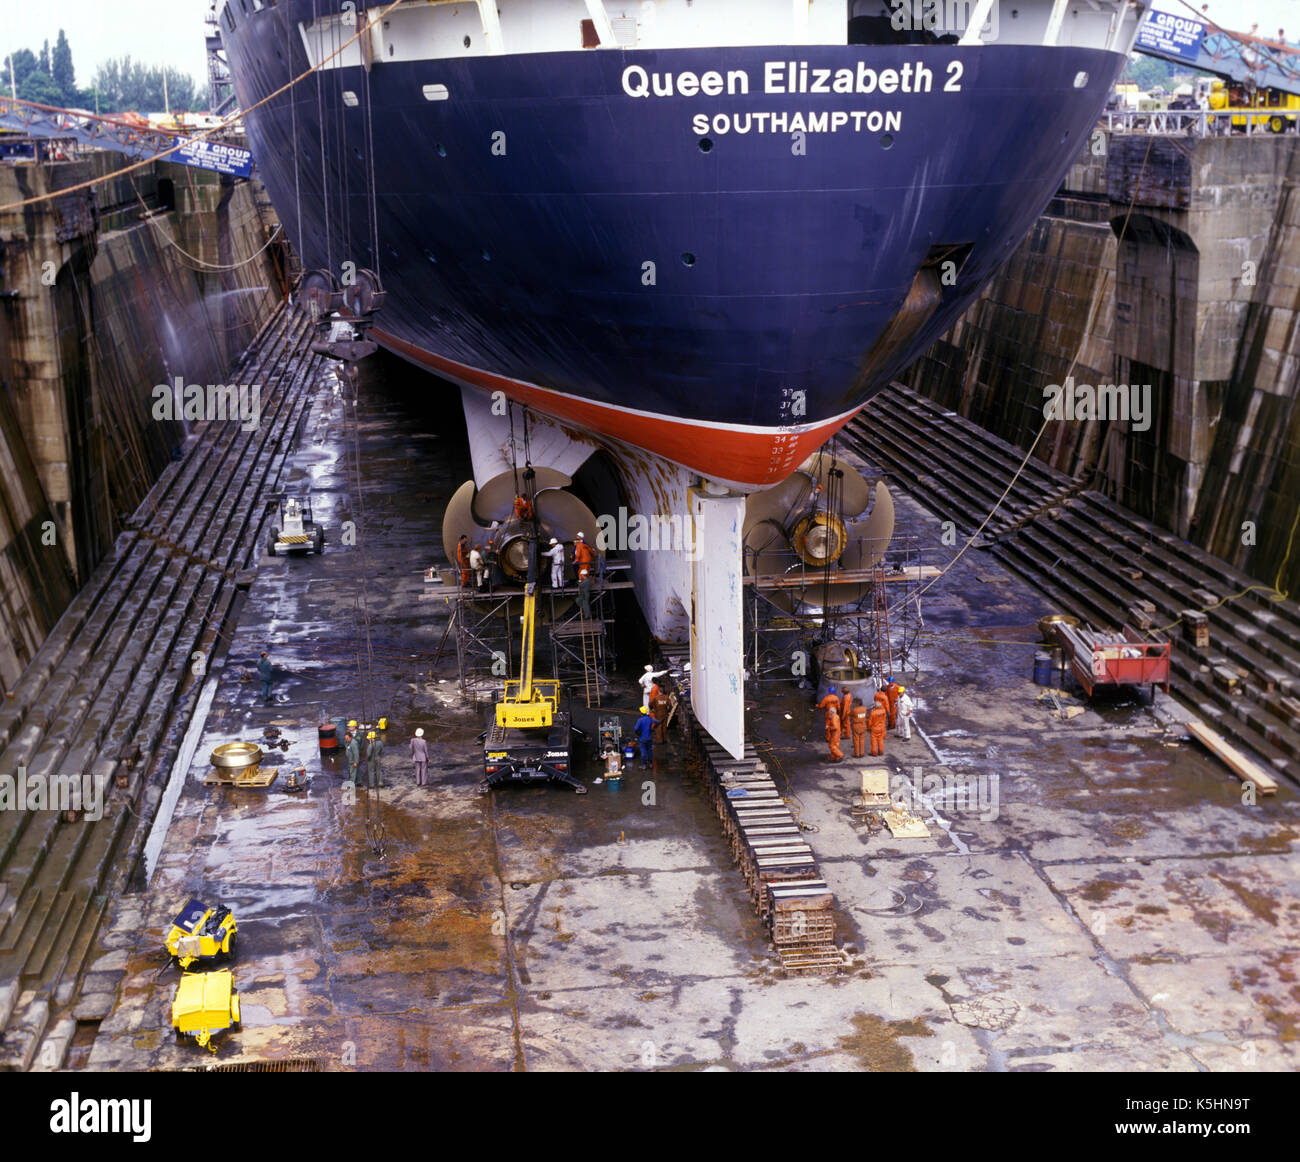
(902, 689)
(352, 724)
(645, 709)
(370, 734)
(383, 724)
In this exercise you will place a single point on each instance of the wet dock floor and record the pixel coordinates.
(1104, 900)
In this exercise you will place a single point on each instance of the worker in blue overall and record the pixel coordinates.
(644, 730)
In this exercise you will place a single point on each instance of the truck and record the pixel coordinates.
(529, 734)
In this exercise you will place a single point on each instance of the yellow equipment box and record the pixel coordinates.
(202, 933)
(206, 1003)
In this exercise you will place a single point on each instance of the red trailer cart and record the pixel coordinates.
(1115, 659)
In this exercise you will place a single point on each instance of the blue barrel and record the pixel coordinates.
(1043, 669)
(629, 754)
(614, 783)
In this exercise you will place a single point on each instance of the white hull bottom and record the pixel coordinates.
(683, 543)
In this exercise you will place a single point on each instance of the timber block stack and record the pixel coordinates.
(779, 868)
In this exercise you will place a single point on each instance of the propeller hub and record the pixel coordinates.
(820, 538)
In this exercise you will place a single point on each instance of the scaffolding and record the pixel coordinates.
(485, 626)
(785, 625)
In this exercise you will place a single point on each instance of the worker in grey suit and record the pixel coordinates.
(354, 758)
(420, 757)
(374, 760)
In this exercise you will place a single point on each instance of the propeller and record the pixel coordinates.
(472, 510)
(803, 524)
(496, 499)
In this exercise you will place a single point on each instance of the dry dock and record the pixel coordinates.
(1095, 895)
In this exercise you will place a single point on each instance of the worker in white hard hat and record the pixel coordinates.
(905, 708)
(647, 681)
(556, 555)
(420, 757)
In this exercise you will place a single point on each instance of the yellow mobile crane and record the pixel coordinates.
(528, 739)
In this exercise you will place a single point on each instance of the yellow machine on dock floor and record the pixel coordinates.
(206, 1004)
(529, 736)
(202, 933)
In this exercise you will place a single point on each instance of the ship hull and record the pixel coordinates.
(638, 265)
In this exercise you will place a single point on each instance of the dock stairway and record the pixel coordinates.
(111, 689)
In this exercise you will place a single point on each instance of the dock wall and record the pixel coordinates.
(105, 293)
(1168, 262)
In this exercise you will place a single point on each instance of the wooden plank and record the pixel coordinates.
(856, 576)
(1247, 769)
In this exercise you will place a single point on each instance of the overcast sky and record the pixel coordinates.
(1239, 15)
(171, 31)
(154, 32)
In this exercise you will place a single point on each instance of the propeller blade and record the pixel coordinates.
(496, 499)
(767, 553)
(563, 516)
(870, 538)
(780, 502)
(853, 491)
(458, 519)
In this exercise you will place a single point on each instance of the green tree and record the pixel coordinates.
(125, 84)
(45, 58)
(61, 68)
(23, 62)
(40, 87)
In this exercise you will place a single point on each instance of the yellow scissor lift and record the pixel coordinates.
(528, 738)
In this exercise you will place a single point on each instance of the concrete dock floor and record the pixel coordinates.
(1106, 902)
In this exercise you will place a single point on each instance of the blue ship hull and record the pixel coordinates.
(700, 275)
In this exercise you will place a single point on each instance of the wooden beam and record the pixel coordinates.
(812, 578)
(1247, 769)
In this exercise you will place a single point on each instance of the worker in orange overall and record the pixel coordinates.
(832, 699)
(462, 559)
(882, 699)
(833, 733)
(877, 723)
(892, 691)
(831, 703)
(659, 708)
(523, 508)
(846, 705)
(858, 727)
(584, 556)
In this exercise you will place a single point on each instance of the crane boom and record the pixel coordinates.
(527, 702)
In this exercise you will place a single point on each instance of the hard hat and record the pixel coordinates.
(902, 689)
(580, 537)
(419, 732)
(830, 689)
(554, 541)
(645, 709)
(370, 734)
(352, 724)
